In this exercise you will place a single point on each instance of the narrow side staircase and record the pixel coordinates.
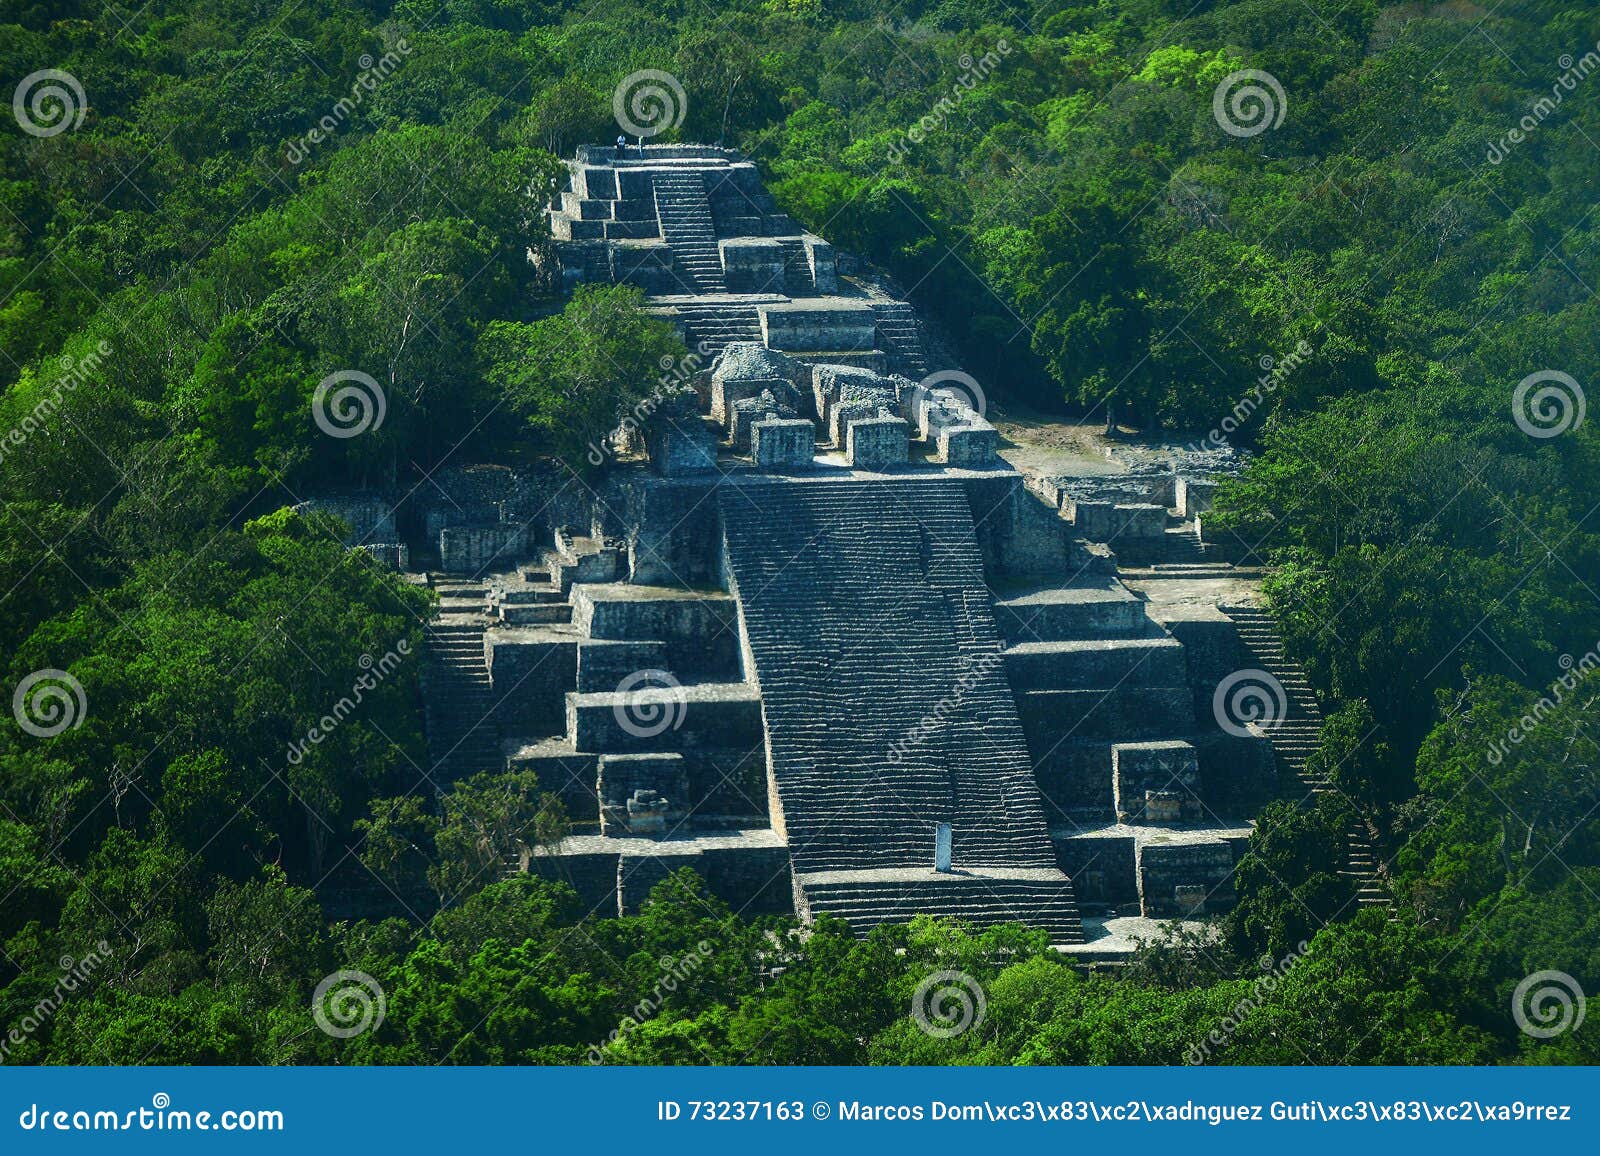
(458, 715)
(1296, 737)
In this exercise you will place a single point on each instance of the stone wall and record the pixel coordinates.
(530, 673)
(1184, 880)
(476, 549)
(369, 516)
(1101, 866)
(674, 535)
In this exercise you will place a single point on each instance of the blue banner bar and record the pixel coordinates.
(407, 1110)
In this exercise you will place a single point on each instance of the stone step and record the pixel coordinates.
(1064, 613)
(1100, 662)
(535, 613)
(654, 718)
(603, 664)
(981, 896)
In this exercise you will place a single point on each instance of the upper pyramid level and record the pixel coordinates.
(684, 220)
(693, 226)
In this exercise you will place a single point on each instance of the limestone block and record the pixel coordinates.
(389, 555)
(474, 549)
(1194, 496)
(642, 794)
(727, 390)
(370, 517)
(1182, 880)
(829, 381)
(842, 414)
(680, 448)
(1162, 775)
(877, 442)
(530, 675)
(635, 185)
(783, 443)
(1101, 864)
(748, 361)
(598, 181)
(752, 264)
(968, 446)
(817, 325)
(824, 264)
(1109, 522)
(745, 412)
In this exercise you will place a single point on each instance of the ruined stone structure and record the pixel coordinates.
(810, 635)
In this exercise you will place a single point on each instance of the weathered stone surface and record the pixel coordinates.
(1147, 776)
(817, 324)
(530, 672)
(725, 391)
(783, 443)
(753, 361)
(642, 794)
(1101, 864)
(676, 451)
(943, 741)
(1109, 522)
(877, 443)
(1183, 880)
(369, 518)
(830, 381)
(969, 446)
(744, 413)
(1193, 496)
(474, 549)
(752, 264)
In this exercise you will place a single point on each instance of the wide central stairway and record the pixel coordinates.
(887, 707)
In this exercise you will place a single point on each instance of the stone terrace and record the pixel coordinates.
(809, 615)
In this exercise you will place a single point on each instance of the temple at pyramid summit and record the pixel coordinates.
(814, 636)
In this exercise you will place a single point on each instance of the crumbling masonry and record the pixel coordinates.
(809, 615)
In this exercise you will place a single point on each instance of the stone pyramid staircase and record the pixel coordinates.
(710, 327)
(900, 334)
(685, 216)
(458, 717)
(981, 896)
(872, 593)
(1297, 736)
